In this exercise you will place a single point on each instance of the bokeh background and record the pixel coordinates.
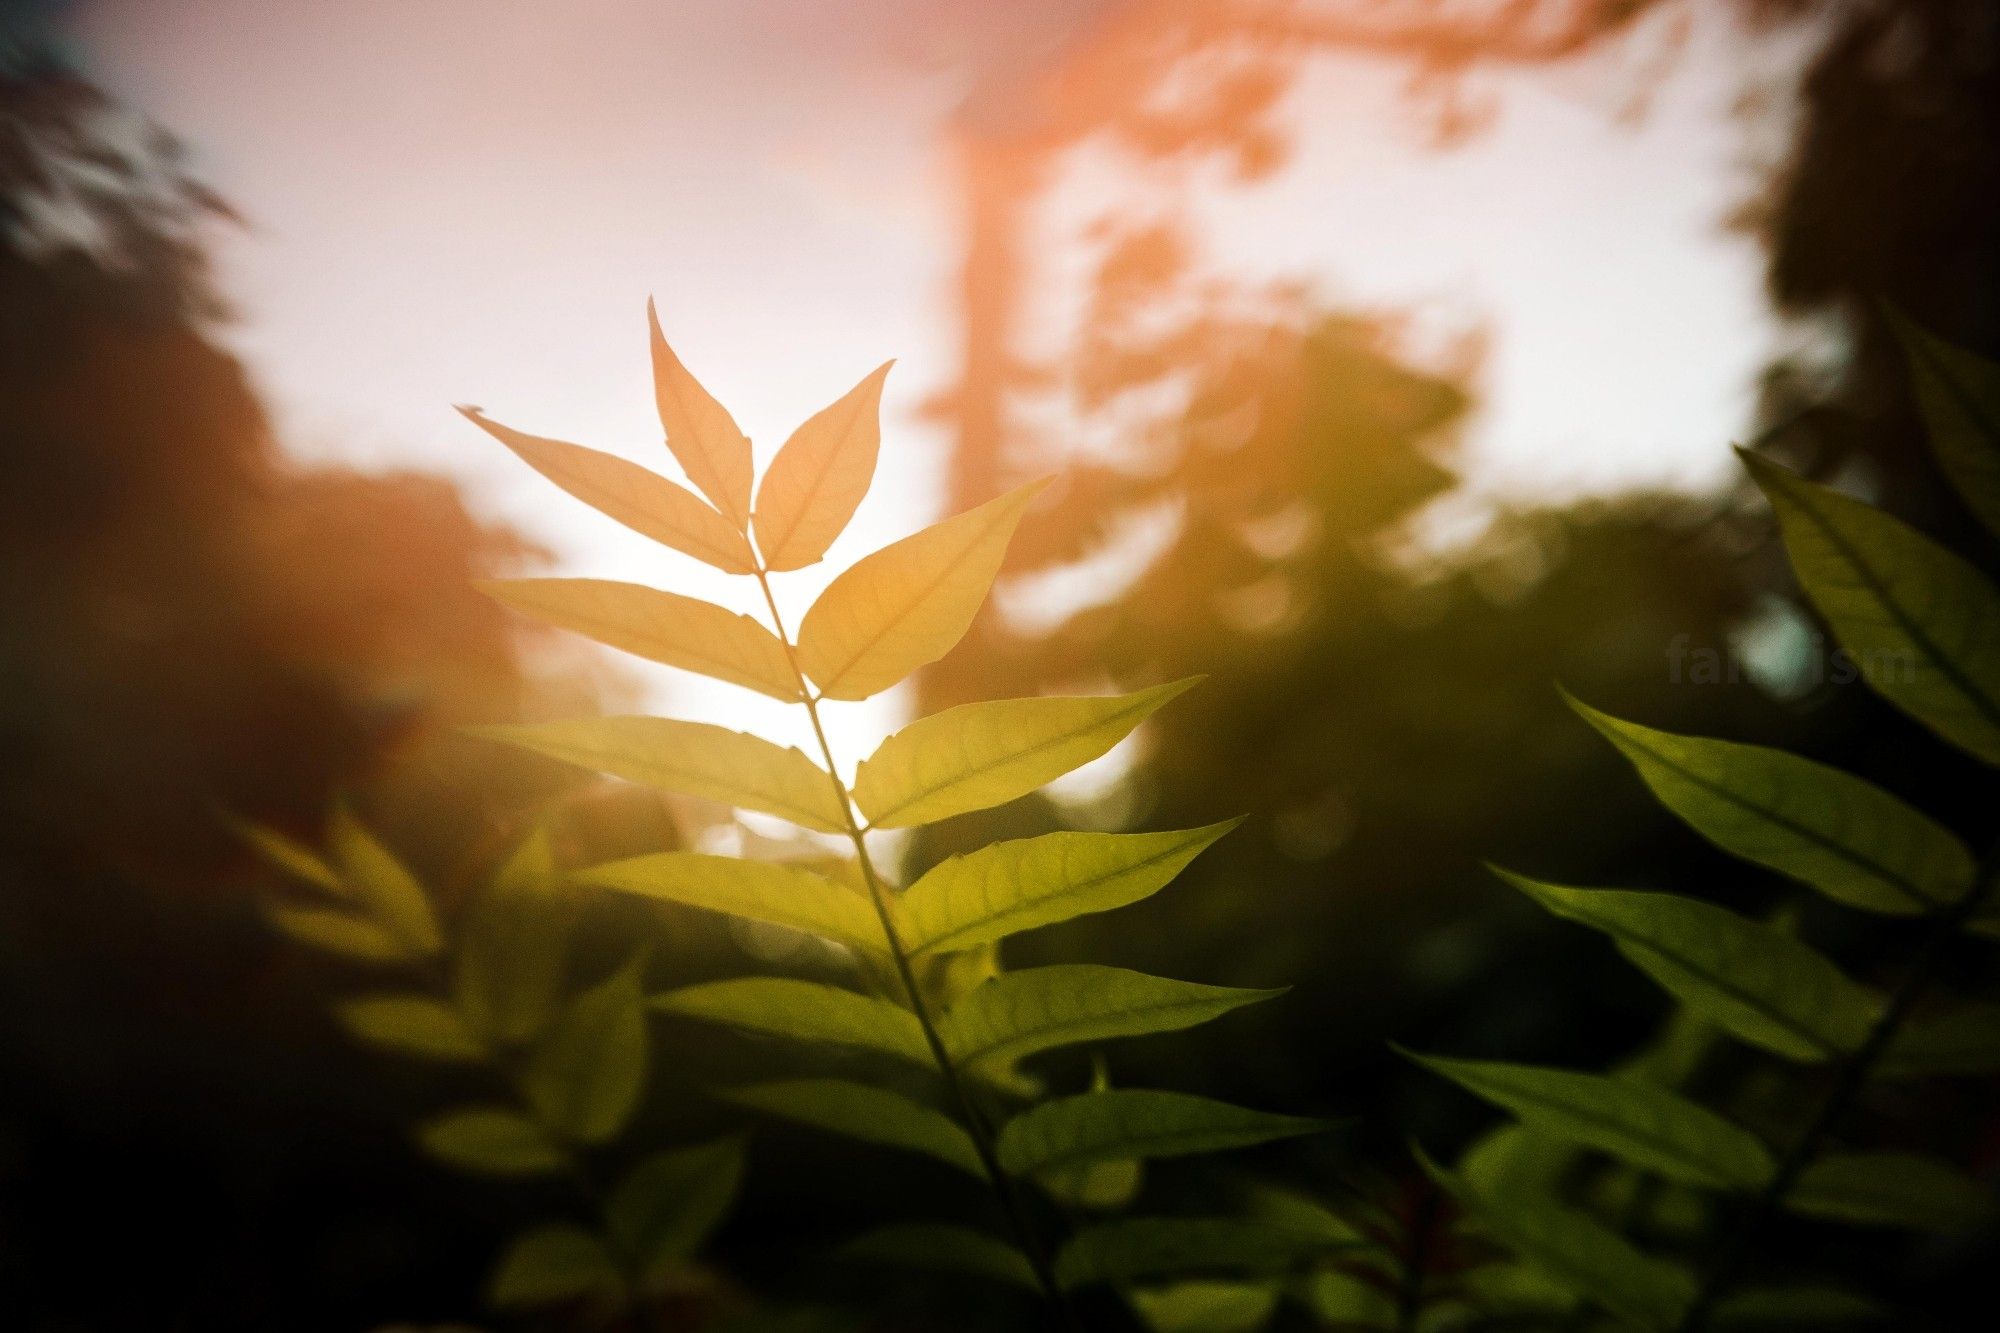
(1388, 357)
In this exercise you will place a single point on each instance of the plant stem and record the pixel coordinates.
(1849, 1078)
(878, 896)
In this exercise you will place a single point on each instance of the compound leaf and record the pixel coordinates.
(768, 891)
(873, 1115)
(803, 1011)
(700, 432)
(817, 480)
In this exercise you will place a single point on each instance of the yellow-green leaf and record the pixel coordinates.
(783, 895)
(338, 931)
(812, 487)
(410, 1025)
(1130, 1123)
(700, 432)
(1959, 394)
(1019, 885)
(1922, 624)
(693, 758)
(554, 1264)
(1206, 1307)
(1017, 1014)
(1851, 840)
(1760, 984)
(1133, 1249)
(660, 1213)
(1650, 1127)
(949, 1249)
(513, 945)
(873, 1115)
(659, 626)
(584, 1075)
(492, 1142)
(803, 1011)
(1891, 1189)
(379, 881)
(906, 605)
(984, 754)
(624, 492)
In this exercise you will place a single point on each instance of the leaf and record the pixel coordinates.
(812, 488)
(288, 855)
(410, 1025)
(1892, 1189)
(1647, 1126)
(1013, 886)
(1959, 395)
(1849, 839)
(1759, 984)
(584, 1075)
(1135, 1248)
(659, 626)
(338, 932)
(1127, 1122)
(659, 1215)
(769, 891)
(873, 1115)
(906, 605)
(802, 1011)
(1922, 624)
(949, 1248)
(985, 754)
(1965, 1040)
(1206, 1307)
(1020, 1013)
(513, 945)
(700, 432)
(379, 881)
(1788, 1309)
(642, 500)
(693, 758)
(491, 1141)
(554, 1264)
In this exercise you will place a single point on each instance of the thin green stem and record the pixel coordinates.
(878, 896)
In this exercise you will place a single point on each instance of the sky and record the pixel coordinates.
(468, 201)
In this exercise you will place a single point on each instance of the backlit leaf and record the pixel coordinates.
(700, 432)
(1647, 1126)
(1892, 1189)
(665, 1207)
(1129, 1122)
(660, 627)
(338, 931)
(1019, 885)
(985, 754)
(642, 500)
(783, 895)
(1760, 984)
(949, 1249)
(812, 487)
(555, 1264)
(1849, 839)
(1135, 1248)
(1017, 1014)
(693, 758)
(904, 606)
(1922, 624)
(803, 1011)
(411, 1025)
(1959, 394)
(513, 945)
(1206, 1307)
(584, 1075)
(491, 1141)
(378, 880)
(873, 1115)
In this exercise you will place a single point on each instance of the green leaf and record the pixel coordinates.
(642, 500)
(659, 626)
(1127, 1123)
(906, 605)
(1019, 885)
(1959, 395)
(817, 480)
(985, 754)
(783, 895)
(379, 881)
(873, 1115)
(554, 1264)
(410, 1025)
(584, 1075)
(491, 1141)
(700, 432)
(1965, 1040)
(1788, 1309)
(659, 1215)
(802, 1011)
(1891, 1189)
(950, 1249)
(1017, 1014)
(1136, 1248)
(1753, 981)
(1849, 839)
(513, 945)
(693, 758)
(1206, 1307)
(1345, 1300)
(1647, 1126)
(1922, 624)
(288, 855)
(339, 932)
